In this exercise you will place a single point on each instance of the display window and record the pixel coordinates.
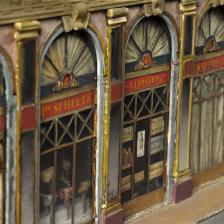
(207, 119)
(145, 109)
(67, 143)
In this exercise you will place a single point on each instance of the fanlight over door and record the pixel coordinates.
(69, 63)
(210, 35)
(148, 45)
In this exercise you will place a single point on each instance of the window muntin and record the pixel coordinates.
(207, 123)
(66, 168)
(144, 143)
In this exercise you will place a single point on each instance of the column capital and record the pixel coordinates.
(26, 30)
(117, 16)
(188, 6)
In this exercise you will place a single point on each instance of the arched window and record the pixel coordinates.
(67, 146)
(210, 34)
(146, 109)
(207, 123)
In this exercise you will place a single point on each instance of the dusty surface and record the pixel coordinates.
(204, 203)
(216, 219)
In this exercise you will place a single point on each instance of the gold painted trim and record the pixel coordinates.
(112, 14)
(113, 206)
(189, 121)
(24, 31)
(117, 12)
(107, 109)
(186, 9)
(117, 16)
(179, 101)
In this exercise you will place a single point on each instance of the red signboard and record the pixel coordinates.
(209, 65)
(67, 105)
(146, 81)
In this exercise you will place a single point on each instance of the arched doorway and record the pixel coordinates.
(67, 132)
(146, 111)
(207, 123)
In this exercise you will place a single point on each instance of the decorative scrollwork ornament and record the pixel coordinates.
(78, 19)
(154, 8)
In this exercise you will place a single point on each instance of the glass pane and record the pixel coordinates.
(115, 127)
(129, 108)
(160, 99)
(47, 135)
(66, 129)
(85, 124)
(64, 190)
(83, 183)
(183, 145)
(116, 53)
(188, 35)
(47, 174)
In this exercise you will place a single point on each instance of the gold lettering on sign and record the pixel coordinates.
(146, 81)
(209, 65)
(66, 105)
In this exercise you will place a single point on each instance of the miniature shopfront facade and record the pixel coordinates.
(108, 108)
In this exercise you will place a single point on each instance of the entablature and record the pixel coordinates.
(12, 11)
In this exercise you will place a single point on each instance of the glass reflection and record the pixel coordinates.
(63, 207)
(83, 186)
(47, 172)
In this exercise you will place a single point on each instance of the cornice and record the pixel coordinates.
(12, 11)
